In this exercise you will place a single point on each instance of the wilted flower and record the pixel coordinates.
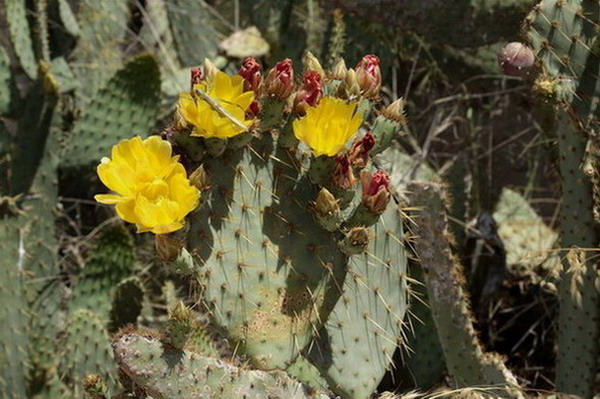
(227, 92)
(327, 127)
(375, 191)
(250, 71)
(209, 69)
(151, 186)
(326, 203)
(195, 77)
(395, 111)
(361, 150)
(368, 76)
(311, 63)
(310, 93)
(339, 70)
(343, 177)
(280, 80)
(349, 87)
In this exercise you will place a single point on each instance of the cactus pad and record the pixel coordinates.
(126, 106)
(358, 341)
(190, 375)
(268, 269)
(13, 317)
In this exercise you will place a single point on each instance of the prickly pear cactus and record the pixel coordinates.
(564, 34)
(295, 258)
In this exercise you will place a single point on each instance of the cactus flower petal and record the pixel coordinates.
(228, 92)
(151, 186)
(327, 127)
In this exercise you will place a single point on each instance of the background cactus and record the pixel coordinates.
(568, 68)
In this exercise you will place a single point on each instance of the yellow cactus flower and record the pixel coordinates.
(151, 186)
(228, 92)
(327, 127)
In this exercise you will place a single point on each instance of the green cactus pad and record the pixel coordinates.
(271, 274)
(529, 242)
(356, 346)
(5, 81)
(67, 17)
(467, 363)
(166, 373)
(551, 29)
(564, 34)
(110, 262)
(13, 317)
(125, 107)
(103, 26)
(46, 322)
(193, 31)
(20, 35)
(305, 372)
(127, 303)
(157, 37)
(424, 364)
(86, 349)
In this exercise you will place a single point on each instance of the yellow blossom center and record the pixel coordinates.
(327, 127)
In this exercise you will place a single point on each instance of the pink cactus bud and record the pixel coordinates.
(368, 75)
(516, 59)
(375, 191)
(195, 76)
(280, 80)
(361, 150)
(343, 177)
(310, 93)
(251, 72)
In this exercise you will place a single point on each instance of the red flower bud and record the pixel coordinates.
(280, 80)
(375, 191)
(251, 72)
(253, 110)
(342, 174)
(368, 75)
(310, 93)
(361, 150)
(195, 76)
